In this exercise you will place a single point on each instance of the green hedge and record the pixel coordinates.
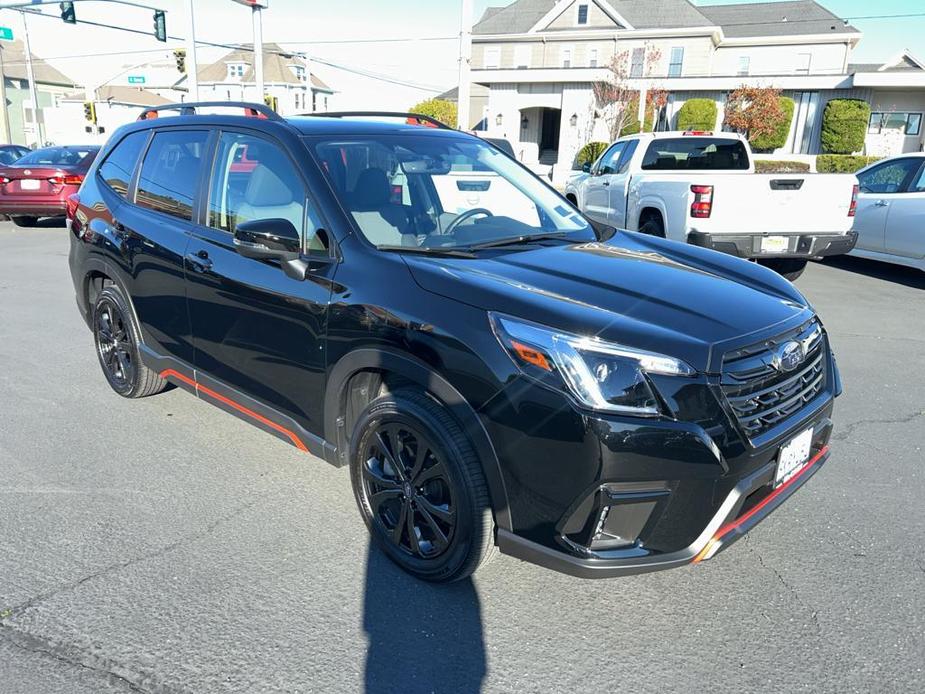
(632, 127)
(780, 166)
(589, 153)
(842, 163)
(697, 114)
(777, 138)
(844, 126)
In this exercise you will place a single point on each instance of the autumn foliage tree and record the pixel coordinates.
(616, 97)
(754, 111)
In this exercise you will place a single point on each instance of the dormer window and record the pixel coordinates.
(582, 15)
(299, 72)
(236, 70)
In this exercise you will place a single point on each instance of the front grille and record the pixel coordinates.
(761, 391)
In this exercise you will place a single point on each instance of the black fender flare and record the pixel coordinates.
(416, 371)
(114, 273)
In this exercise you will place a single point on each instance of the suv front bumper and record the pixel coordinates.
(806, 245)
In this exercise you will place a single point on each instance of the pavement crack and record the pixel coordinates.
(813, 615)
(848, 430)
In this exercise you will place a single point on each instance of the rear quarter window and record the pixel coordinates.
(695, 154)
(170, 172)
(116, 171)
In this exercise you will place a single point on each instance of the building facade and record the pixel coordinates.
(540, 59)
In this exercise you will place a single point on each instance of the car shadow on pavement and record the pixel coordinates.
(421, 637)
(898, 274)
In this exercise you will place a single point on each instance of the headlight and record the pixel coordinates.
(600, 375)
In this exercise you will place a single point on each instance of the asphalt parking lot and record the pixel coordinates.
(164, 546)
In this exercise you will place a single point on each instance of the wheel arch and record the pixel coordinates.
(378, 367)
(98, 269)
(651, 208)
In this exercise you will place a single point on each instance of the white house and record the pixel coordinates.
(540, 58)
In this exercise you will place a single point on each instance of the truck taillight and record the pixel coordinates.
(853, 207)
(703, 201)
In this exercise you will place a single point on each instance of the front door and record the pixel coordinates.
(905, 225)
(597, 185)
(880, 187)
(549, 135)
(256, 330)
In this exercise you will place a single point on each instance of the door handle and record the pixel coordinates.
(606, 183)
(881, 203)
(200, 261)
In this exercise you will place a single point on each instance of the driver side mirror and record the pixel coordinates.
(272, 239)
(586, 167)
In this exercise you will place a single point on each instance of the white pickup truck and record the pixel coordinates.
(701, 188)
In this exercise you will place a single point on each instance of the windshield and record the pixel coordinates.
(427, 191)
(58, 156)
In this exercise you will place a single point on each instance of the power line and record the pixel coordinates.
(407, 39)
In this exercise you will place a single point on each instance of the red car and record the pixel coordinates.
(38, 184)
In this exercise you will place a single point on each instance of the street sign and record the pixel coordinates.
(6, 34)
(136, 79)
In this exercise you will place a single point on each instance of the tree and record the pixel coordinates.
(844, 126)
(615, 97)
(441, 109)
(754, 111)
(778, 137)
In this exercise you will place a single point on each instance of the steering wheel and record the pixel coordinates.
(451, 227)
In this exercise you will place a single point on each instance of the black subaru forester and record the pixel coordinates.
(411, 302)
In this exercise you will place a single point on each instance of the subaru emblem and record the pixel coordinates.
(789, 356)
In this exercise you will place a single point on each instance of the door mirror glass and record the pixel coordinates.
(268, 239)
(586, 167)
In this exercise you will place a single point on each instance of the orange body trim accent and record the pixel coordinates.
(733, 525)
(296, 441)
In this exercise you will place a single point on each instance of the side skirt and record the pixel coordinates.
(239, 404)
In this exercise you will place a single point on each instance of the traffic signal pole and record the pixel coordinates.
(463, 92)
(258, 52)
(192, 76)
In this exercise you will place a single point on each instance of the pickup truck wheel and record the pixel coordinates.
(653, 226)
(791, 268)
(420, 487)
(117, 347)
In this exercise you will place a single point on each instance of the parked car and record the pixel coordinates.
(595, 402)
(701, 188)
(39, 183)
(890, 221)
(10, 153)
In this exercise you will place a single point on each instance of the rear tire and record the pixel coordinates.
(420, 488)
(791, 268)
(117, 342)
(653, 226)
(21, 221)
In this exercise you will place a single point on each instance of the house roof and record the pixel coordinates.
(14, 67)
(795, 18)
(120, 94)
(477, 90)
(276, 70)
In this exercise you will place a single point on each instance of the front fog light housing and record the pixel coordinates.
(601, 375)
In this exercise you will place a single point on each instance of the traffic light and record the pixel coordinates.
(160, 25)
(67, 12)
(271, 101)
(90, 111)
(180, 55)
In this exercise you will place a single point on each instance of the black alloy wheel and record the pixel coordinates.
(113, 345)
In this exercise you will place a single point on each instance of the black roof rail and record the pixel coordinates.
(420, 117)
(253, 110)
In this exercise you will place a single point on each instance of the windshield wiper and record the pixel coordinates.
(514, 240)
(426, 250)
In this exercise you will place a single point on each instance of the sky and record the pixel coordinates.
(419, 61)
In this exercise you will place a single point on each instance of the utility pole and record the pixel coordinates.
(192, 75)
(4, 112)
(465, 64)
(258, 51)
(33, 93)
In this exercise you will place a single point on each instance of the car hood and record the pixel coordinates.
(636, 290)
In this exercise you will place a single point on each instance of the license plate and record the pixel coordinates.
(793, 456)
(29, 184)
(775, 244)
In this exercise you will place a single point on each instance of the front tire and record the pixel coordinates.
(420, 487)
(117, 343)
(791, 268)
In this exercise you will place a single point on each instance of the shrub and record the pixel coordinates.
(768, 142)
(842, 163)
(844, 126)
(632, 127)
(697, 114)
(441, 109)
(590, 152)
(780, 166)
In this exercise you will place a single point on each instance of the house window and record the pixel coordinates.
(582, 14)
(637, 63)
(299, 72)
(676, 62)
(236, 70)
(492, 58)
(592, 58)
(744, 65)
(803, 63)
(522, 56)
(566, 57)
(908, 123)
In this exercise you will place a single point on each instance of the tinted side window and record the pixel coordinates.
(889, 177)
(170, 172)
(120, 164)
(608, 163)
(624, 163)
